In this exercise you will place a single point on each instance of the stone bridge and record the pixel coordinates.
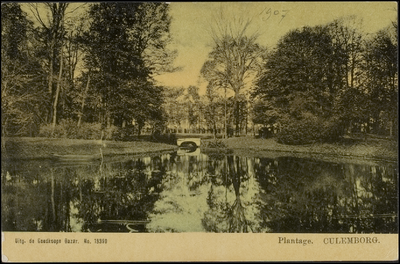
(188, 142)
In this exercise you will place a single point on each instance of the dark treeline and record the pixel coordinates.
(118, 48)
(87, 71)
(321, 82)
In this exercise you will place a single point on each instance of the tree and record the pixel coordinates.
(348, 100)
(22, 96)
(173, 106)
(266, 114)
(73, 97)
(347, 41)
(235, 59)
(298, 76)
(382, 77)
(51, 33)
(300, 84)
(122, 41)
(193, 105)
(214, 109)
(152, 35)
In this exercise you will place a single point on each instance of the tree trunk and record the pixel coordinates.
(50, 87)
(53, 204)
(226, 128)
(215, 130)
(139, 129)
(58, 90)
(51, 68)
(83, 100)
(108, 120)
(236, 116)
(246, 123)
(3, 143)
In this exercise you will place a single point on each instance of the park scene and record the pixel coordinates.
(199, 117)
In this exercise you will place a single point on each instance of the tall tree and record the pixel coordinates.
(299, 85)
(21, 75)
(174, 108)
(152, 34)
(236, 58)
(214, 109)
(298, 74)
(381, 66)
(123, 40)
(347, 40)
(51, 33)
(193, 106)
(347, 91)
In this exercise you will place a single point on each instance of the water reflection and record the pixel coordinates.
(194, 192)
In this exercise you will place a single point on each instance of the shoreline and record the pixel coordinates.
(368, 149)
(44, 148)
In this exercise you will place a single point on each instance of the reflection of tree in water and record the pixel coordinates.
(17, 212)
(307, 196)
(126, 192)
(229, 194)
(181, 203)
(35, 198)
(372, 204)
(236, 213)
(236, 216)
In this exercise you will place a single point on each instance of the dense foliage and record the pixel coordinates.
(118, 48)
(322, 82)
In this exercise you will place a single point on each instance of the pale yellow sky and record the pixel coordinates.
(191, 22)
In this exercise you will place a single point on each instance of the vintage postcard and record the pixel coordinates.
(199, 131)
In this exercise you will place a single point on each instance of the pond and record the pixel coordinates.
(194, 192)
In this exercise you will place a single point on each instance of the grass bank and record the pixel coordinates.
(39, 148)
(370, 148)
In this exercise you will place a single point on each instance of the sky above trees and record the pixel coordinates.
(191, 22)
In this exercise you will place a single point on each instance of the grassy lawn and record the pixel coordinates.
(379, 148)
(25, 148)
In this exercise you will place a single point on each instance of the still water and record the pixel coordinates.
(178, 192)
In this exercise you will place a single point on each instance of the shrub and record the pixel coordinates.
(334, 129)
(89, 131)
(216, 149)
(309, 129)
(216, 143)
(111, 133)
(46, 131)
(297, 132)
(168, 138)
(68, 129)
(125, 134)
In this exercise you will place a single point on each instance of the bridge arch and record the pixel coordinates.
(188, 142)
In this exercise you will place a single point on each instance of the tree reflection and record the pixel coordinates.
(35, 200)
(170, 193)
(50, 199)
(236, 183)
(236, 213)
(126, 192)
(182, 202)
(308, 196)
